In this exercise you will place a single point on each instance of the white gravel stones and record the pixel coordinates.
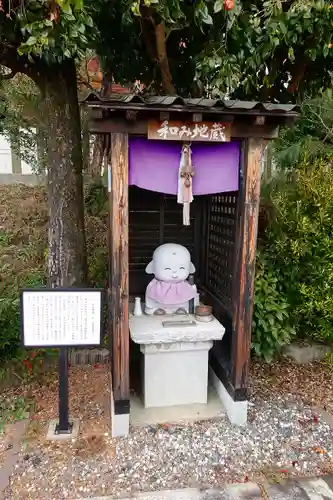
(282, 435)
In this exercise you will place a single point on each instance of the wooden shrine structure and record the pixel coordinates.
(223, 231)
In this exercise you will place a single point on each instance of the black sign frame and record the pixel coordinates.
(101, 291)
(64, 426)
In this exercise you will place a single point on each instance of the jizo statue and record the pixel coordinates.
(170, 292)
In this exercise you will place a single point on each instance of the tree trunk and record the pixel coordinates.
(162, 59)
(67, 259)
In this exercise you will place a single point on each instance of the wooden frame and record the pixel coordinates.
(239, 130)
(118, 270)
(253, 130)
(246, 240)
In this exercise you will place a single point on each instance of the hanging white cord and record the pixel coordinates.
(186, 214)
(185, 196)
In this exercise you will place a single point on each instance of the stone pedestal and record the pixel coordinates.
(175, 368)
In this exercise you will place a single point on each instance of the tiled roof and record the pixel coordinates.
(119, 89)
(128, 101)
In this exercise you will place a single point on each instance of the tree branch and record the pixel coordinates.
(147, 23)
(297, 76)
(162, 59)
(155, 38)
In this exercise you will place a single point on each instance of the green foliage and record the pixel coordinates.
(9, 325)
(10, 313)
(12, 408)
(271, 323)
(23, 256)
(298, 246)
(22, 116)
(96, 199)
(96, 203)
(271, 49)
(312, 135)
(264, 50)
(57, 30)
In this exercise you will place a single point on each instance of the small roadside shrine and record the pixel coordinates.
(184, 192)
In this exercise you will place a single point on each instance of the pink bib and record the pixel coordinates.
(170, 293)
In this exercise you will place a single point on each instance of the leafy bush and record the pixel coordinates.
(271, 322)
(23, 244)
(9, 325)
(10, 314)
(298, 246)
(311, 137)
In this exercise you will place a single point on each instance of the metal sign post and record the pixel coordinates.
(61, 318)
(64, 426)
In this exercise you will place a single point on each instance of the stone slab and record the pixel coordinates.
(306, 354)
(15, 435)
(141, 416)
(52, 436)
(317, 489)
(150, 330)
(286, 490)
(301, 489)
(248, 491)
(329, 481)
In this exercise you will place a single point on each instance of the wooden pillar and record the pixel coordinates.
(118, 270)
(246, 241)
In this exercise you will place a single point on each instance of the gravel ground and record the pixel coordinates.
(284, 437)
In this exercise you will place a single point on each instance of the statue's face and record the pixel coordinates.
(171, 263)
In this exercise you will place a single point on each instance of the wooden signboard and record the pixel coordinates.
(188, 131)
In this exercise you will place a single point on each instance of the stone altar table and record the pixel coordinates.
(175, 350)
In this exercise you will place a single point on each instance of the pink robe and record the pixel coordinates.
(170, 293)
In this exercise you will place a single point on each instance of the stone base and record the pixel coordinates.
(119, 421)
(306, 353)
(175, 415)
(120, 425)
(52, 436)
(175, 373)
(236, 410)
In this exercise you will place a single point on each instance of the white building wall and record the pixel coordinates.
(5, 156)
(6, 166)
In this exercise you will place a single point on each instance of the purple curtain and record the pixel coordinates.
(154, 165)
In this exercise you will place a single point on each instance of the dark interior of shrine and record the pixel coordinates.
(155, 219)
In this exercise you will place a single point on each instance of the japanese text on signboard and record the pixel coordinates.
(202, 131)
(61, 318)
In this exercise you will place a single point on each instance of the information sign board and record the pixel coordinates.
(59, 317)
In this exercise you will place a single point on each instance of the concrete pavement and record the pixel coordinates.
(302, 489)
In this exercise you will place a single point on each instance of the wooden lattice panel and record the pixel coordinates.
(221, 246)
(154, 219)
(144, 227)
(173, 229)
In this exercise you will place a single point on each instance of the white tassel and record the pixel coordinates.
(185, 196)
(186, 214)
